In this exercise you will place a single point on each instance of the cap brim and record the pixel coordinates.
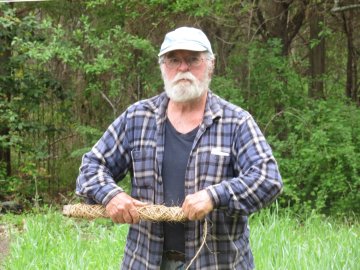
(185, 46)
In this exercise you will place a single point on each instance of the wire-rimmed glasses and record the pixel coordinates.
(175, 62)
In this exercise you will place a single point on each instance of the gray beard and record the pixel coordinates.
(183, 91)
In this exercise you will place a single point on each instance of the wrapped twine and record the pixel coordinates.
(153, 213)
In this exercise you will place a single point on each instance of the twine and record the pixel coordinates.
(153, 213)
(201, 246)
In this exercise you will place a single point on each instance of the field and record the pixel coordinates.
(47, 240)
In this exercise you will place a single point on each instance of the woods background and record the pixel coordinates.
(69, 68)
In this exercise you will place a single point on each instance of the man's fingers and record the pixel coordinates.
(127, 217)
(118, 219)
(122, 209)
(197, 206)
(134, 216)
(139, 203)
(194, 213)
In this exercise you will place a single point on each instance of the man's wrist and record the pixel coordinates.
(111, 195)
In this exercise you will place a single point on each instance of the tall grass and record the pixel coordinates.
(282, 242)
(51, 241)
(279, 241)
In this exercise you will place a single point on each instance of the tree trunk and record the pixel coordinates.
(5, 152)
(351, 67)
(317, 53)
(280, 19)
(5, 54)
(5, 157)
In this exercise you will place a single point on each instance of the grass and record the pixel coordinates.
(279, 241)
(284, 242)
(51, 241)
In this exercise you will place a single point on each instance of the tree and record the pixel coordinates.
(280, 19)
(24, 89)
(347, 14)
(352, 84)
(6, 36)
(317, 51)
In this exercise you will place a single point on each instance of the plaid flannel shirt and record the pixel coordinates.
(230, 158)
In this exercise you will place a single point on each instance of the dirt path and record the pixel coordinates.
(4, 243)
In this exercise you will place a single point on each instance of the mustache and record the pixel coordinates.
(183, 76)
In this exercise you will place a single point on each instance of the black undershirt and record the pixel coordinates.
(176, 154)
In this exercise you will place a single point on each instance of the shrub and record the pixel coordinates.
(320, 159)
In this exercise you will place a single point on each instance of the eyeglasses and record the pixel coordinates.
(175, 62)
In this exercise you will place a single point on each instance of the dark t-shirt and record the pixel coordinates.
(176, 155)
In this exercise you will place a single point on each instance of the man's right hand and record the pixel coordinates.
(122, 209)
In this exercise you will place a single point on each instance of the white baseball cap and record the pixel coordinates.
(185, 38)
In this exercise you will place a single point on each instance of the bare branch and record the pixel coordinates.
(108, 101)
(337, 8)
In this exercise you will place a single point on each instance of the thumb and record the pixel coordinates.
(139, 203)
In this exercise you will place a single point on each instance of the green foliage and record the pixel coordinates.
(29, 97)
(69, 68)
(117, 66)
(227, 89)
(38, 110)
(320, 159)
(316, 142)
(324, 33)
(10, 185)
(90, 135)
(115, 54)
(273, 84)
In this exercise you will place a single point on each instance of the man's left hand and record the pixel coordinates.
(196, 206)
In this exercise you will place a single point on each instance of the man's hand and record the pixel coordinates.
(196, 206)
(122, 209)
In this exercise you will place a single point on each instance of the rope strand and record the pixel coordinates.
(201, 246)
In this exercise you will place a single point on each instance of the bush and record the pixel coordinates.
(320, 159)
(316, 142)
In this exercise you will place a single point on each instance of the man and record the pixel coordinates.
(184, 147)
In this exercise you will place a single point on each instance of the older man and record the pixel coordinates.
(185, 147)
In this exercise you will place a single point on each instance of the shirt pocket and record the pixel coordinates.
(143, 181)
(214, 168)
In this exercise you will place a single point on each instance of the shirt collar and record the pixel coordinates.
(213, 109)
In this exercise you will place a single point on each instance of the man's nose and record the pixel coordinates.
(184, 66)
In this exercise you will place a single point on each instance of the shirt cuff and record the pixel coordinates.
(107, 193)
(219, 195)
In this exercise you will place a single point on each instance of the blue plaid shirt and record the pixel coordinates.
(230, 158)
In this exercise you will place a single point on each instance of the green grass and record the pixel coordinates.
(283, 242)
(51, 241)
(279, 241)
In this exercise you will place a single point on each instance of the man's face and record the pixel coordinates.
(186, 75)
